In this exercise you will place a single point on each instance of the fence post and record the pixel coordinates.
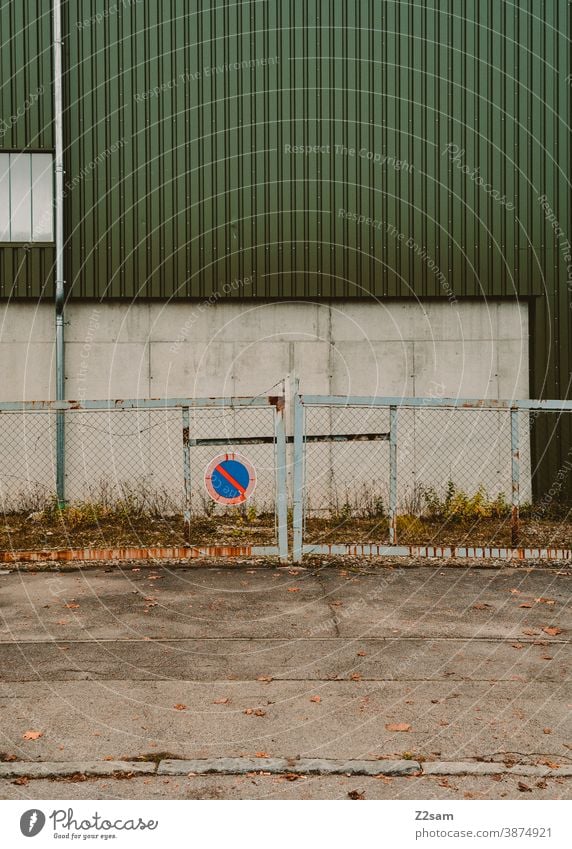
(393, 475)
(298, 483)
(515, 475)
(187, 468)
(281, 479)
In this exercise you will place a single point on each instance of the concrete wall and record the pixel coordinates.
(119, 350)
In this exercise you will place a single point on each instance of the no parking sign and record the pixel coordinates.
(230, 479)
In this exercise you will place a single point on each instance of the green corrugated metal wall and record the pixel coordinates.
(177, 191)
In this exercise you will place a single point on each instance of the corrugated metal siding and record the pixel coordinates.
(177, 192)
(25, 75)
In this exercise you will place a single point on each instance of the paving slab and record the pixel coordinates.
(378, 659)
(453, 720)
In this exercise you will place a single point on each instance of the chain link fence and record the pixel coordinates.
(146, 461)
(420, 471)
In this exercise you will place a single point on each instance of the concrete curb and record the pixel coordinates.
(274, 766)
(281, 766)
(63, 769)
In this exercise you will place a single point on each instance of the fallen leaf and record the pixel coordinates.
(266, 678)
(549, 764)
(32, 735)
(293, 589)
(361, 654)
(71, 605)
(547, 730)
(261, 754)
(481, 606)
(336, 603)
(524, 788)
(530, 632)
(515, 592)
(221, 701)
(21, 781)
(291, 776)
(398, 726)
(355, 794)
(259, 712)
(543, 600)
(552, 631)
(355, 676)
(546, 657)
(526, 604)
(316, 699)
(517, 645)
(180, 707)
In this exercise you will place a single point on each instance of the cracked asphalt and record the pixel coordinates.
(327, 662)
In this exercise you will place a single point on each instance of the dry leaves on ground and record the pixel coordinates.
(221, 701)
(356, 794)
(398, 726)
(255, 712)
(32, 735)
(552, 631)
(316, 699)
(180, 707)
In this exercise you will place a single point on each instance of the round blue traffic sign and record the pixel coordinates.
(230, 479)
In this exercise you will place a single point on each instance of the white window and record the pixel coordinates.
(26, 197)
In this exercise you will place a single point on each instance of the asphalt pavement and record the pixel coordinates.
(147, 664)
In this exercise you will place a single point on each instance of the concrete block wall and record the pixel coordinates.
(399, 348)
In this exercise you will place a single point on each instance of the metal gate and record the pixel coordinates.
(400, 475)
(138, 458)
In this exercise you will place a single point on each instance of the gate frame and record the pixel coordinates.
(278, 439)
(394, 404)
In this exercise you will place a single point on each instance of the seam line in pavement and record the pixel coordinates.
(274, 766)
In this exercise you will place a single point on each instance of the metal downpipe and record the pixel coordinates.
(59, 244)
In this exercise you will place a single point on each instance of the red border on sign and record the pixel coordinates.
(239, 499)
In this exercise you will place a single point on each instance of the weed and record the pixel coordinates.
(458, 505)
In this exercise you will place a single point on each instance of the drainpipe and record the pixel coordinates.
(59, 235)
